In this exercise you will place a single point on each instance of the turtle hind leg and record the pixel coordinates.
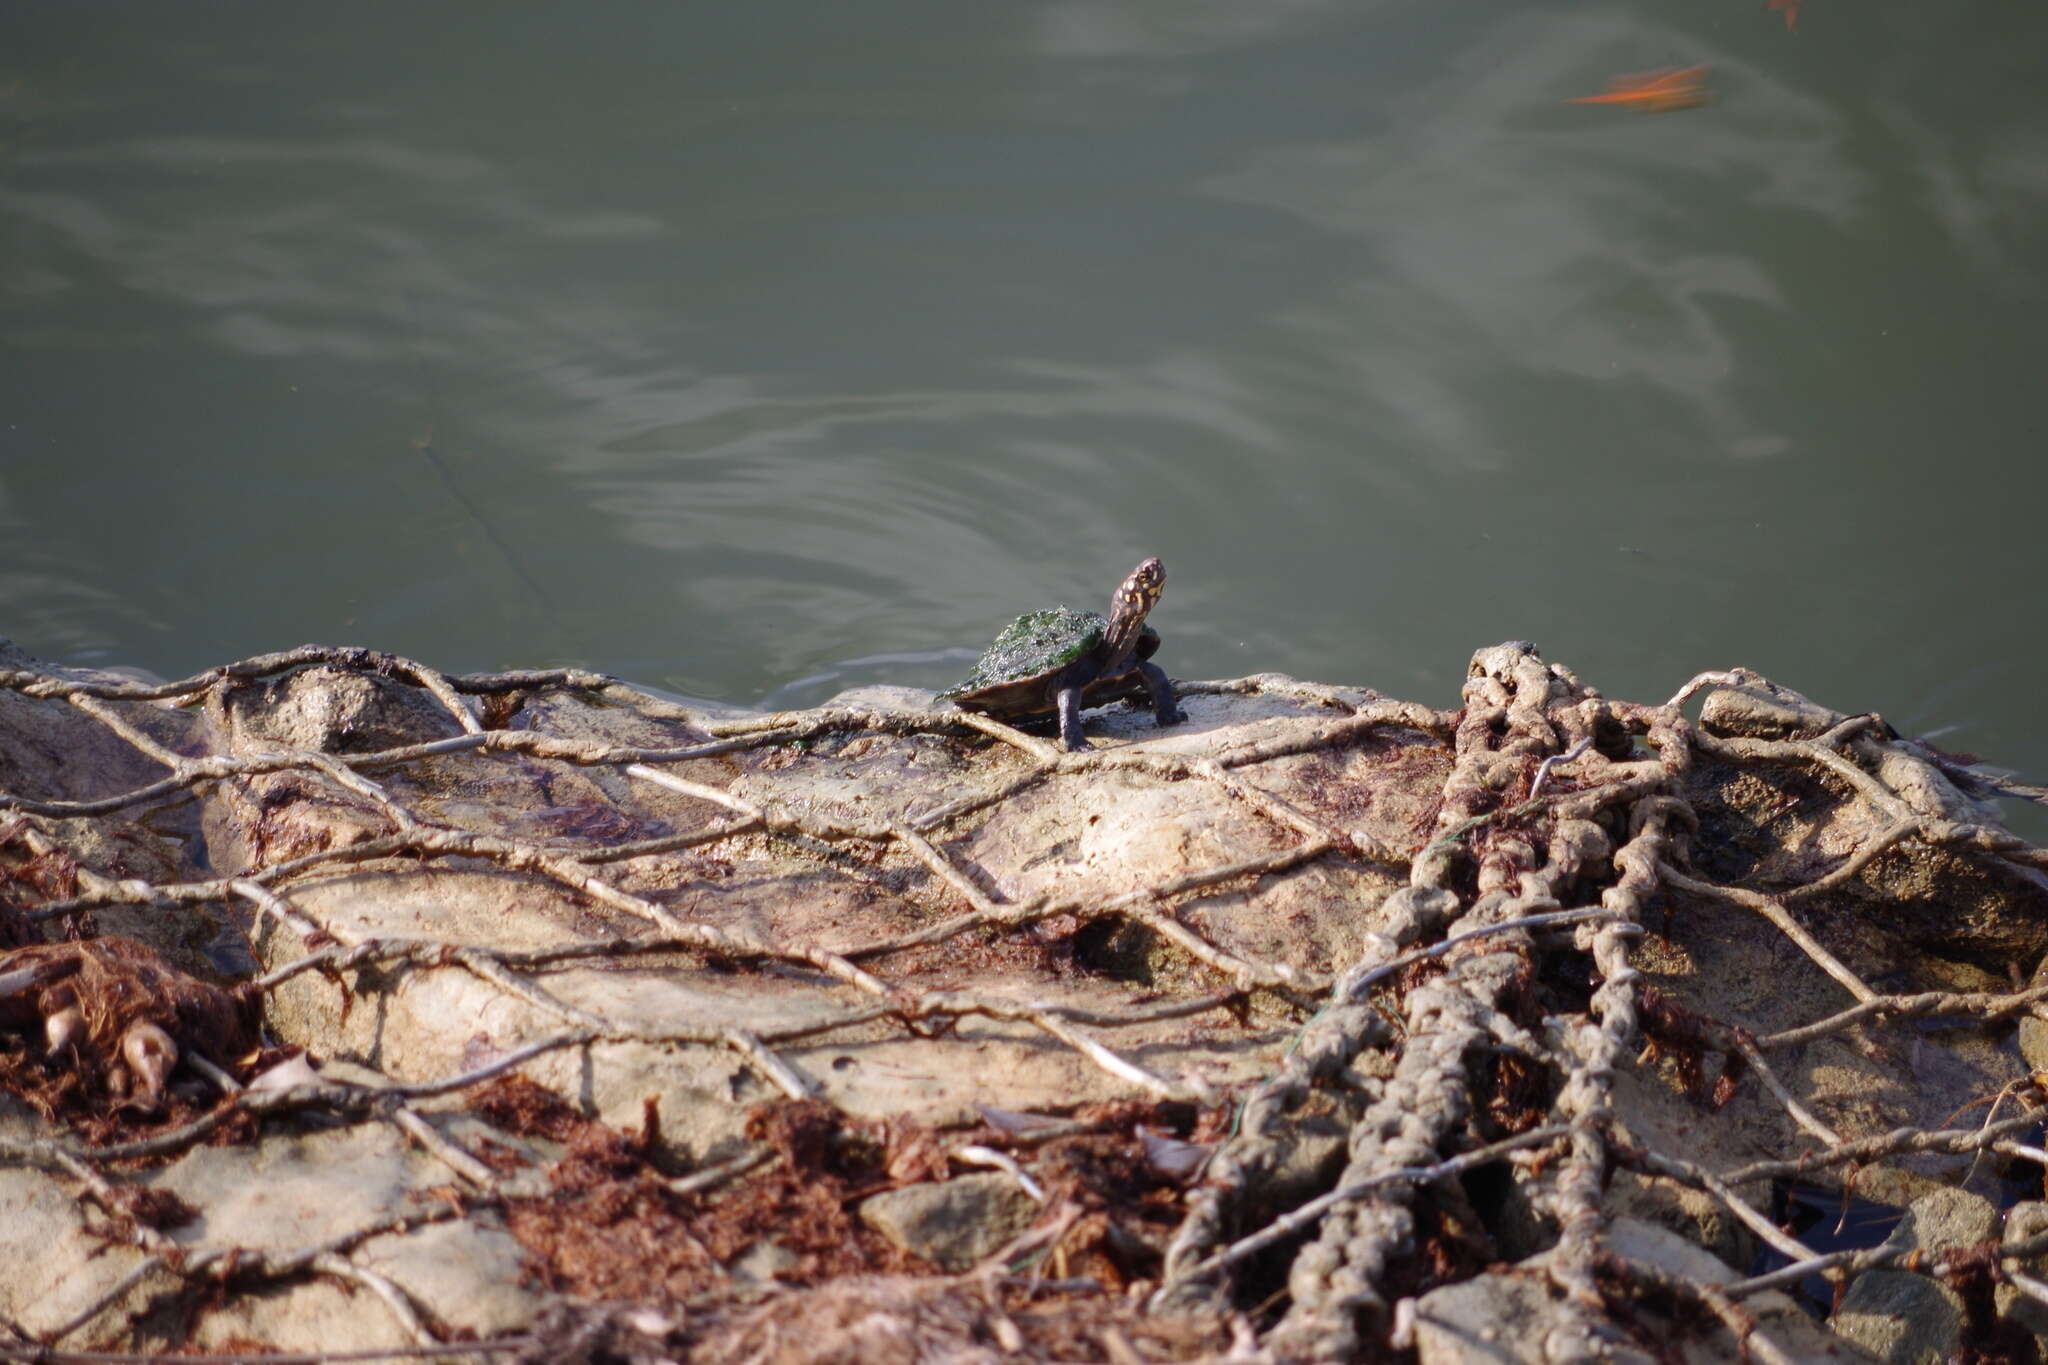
(1159, 688)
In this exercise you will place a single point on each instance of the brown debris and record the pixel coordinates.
(614, 1229)
(875, 1320)
(109, 1020)
(611, 1228)
(521, 1107)
(1681, 1038)
(1127, 1204)
(146, 1206)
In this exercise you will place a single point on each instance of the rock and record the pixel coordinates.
(1946, 1220)
(1901, 1319)
(468, 1274)
(1908, 1319)
(1309, 1160)
(1082, 839)
(1693, 1215)
(762, 1262)
(2024, 1221)
(1663, 1249)
(1992, 913)
(885, 697)
(52, 751)
(1508, 1318)
(1721, 961)
(1764, 710)
(1776, 1316)
(278, 1195)
(293, 1190)
(2034, 1032)
(60, 1266)
(953, 1223)
(1486, 1320)
(325, 709)
(814, 919)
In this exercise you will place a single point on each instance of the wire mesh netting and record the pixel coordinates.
(351, 1005)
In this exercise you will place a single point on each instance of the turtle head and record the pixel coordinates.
(1137, 595)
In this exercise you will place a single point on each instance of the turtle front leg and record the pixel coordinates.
(1159, 687)
(1067, 701)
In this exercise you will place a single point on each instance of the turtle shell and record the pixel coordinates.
(1010, 677)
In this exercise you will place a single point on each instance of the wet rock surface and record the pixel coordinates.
(1322, 1026)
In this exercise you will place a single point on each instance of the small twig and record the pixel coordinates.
(976, 1155)
(1984, 1006)
(450, 1155)
(1731, 677)
(711, 1177)
(1549, 918)
(1543, 768)
(1779, 916)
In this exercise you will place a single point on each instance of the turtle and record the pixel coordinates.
(1051, 663)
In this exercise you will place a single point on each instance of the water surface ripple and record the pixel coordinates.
(755, 354)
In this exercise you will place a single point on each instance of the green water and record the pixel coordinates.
(753, 351)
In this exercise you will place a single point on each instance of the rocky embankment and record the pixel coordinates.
(344, 1004)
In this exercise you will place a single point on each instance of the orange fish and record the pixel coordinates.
(1791, 8)
(1655, 92)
